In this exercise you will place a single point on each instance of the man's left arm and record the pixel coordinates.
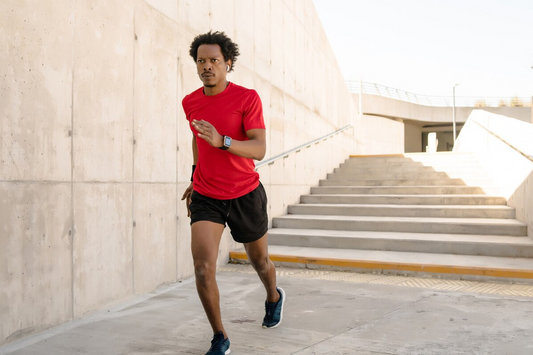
(253, 148)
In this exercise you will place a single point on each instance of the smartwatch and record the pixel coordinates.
(226, 143)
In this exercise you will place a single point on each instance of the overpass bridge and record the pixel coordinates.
(422, 114)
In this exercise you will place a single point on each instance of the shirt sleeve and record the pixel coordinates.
(253, 112)
(184, 105)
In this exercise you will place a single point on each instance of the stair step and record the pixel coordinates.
(354, 169)
(440, 156)
(409, 160)
(404, 190)
(406, 182)
(453, 211)
(401, 263)
(405, 199)
(482, 226)
(428, 214)
(402, 176)
(463, 244)
(393, 164)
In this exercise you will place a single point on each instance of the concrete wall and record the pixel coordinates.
(95, 149)
(379, 135)
(505, 149)
(413, 138)
(376, 134)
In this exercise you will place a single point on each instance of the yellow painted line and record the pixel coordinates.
(364, 264)
(442, 284)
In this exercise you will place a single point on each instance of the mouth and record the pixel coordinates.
(207, 75)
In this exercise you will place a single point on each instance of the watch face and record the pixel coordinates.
(227, 141)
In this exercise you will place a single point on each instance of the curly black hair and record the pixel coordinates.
(230, 50)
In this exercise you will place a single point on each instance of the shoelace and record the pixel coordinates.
(270, 308)
(217, 342)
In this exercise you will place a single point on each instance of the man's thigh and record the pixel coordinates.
(205, 240)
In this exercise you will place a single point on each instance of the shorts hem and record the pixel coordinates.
(207, 220)
(255, 238)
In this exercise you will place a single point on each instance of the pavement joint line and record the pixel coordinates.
(506, 289)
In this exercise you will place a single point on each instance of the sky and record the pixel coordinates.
(428, 46)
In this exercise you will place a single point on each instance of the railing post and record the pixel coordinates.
(360, 99)
(454, 131)
(531, 107)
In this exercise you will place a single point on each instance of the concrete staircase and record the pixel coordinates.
(406, 214)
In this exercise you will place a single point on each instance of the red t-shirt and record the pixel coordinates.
(220, 174)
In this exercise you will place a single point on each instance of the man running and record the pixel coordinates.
(228, 134)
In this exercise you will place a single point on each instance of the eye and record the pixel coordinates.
(215, 60)
(200, 61)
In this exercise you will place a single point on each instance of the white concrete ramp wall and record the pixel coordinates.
(95, 149)
(388, 107)
(379, 135)
(505, 148)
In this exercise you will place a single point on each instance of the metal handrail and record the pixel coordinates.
(437, 101)
(300, 147)
(518, 150)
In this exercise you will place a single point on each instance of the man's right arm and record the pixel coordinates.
(188, 193)
(194, 150)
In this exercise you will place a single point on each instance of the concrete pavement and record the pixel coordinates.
(326, 313)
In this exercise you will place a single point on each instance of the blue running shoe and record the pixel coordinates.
(274, 311)
(219, 345)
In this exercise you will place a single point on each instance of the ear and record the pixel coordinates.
(228, 65)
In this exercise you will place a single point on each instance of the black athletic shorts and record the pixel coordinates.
(246, 215)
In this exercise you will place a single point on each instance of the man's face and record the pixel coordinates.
(211, 66)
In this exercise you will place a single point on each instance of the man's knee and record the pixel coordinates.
(261, 265)
(204, 271)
